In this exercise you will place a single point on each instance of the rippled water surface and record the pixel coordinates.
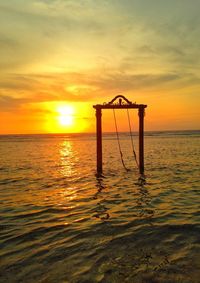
(60, 223)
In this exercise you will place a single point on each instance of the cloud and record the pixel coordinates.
(22, 90)
(8, 103)
(72, 35)
(84, 50)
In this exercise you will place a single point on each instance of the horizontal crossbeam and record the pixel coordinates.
(118, 106)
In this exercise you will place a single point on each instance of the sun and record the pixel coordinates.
(66, 115)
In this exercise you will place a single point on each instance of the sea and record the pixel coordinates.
(61, 222)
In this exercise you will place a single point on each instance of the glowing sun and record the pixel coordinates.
(66, 115)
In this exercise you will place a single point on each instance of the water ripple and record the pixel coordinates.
(61, 223)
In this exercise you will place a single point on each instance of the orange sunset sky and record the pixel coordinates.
(59, 57)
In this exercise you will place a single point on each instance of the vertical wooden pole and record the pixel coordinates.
(99, 140)
(141, 140)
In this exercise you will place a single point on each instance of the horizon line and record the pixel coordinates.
(78, 133)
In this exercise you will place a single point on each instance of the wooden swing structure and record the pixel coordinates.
(120, 102)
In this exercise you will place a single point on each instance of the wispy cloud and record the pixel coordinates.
(86, 50)
(76, 87)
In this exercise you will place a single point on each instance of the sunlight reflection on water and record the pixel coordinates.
(66, 158)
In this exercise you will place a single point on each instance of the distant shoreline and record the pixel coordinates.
(105, 133)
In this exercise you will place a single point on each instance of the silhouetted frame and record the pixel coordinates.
(119, 102)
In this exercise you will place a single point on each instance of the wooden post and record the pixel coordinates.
(99, 140)
(141, 140)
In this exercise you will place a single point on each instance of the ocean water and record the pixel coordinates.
(61, 223)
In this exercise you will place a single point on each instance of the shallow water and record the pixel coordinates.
(60, 223)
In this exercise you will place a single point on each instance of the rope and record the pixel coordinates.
(133, 148)
(121, 155)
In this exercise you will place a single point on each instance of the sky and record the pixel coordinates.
(60, 57)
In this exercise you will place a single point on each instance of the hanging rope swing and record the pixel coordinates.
(131, 135)
(118, 140)
(119, 145)
(120, 102)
